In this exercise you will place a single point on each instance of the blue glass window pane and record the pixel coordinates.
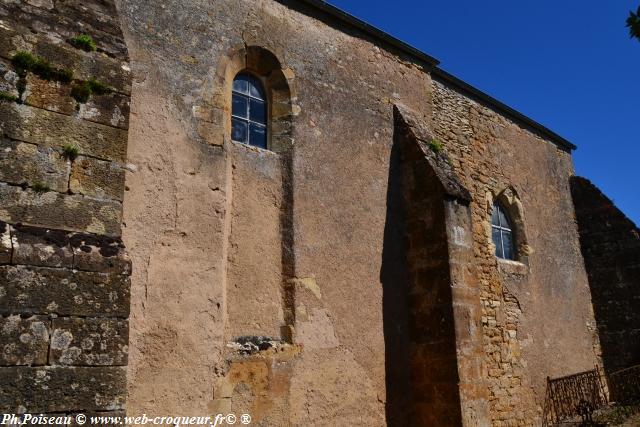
(495, 219)
(258, 112)
(239, 131)
(503, 218)
(258, 137)
(240, 107)
(255, 89)
(502, 234)
(507, 245)
(240, 84)
(497, 240)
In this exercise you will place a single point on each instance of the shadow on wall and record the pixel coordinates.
(394, 276)
(610, 244)
(420, 341)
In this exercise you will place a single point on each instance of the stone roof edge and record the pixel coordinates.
(378, 34)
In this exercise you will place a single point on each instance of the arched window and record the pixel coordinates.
(249, 111)
(502, 233)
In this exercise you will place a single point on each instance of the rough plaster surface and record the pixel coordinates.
(174, 225)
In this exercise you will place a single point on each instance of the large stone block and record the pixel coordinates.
(57, 210)
(93, 342)
(108, 109)
(49, 95)
(23, 163)
(84, 65)
(24, 341)
(37, 246)
(97, 178)
(48, 128)
(44, 247)
(64, 292)
(61, 389)
(99, 253)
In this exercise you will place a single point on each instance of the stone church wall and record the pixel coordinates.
(537, 318)
(196, 193)
(276, 283)
(64, 274)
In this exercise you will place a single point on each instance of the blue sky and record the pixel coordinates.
(568, 64)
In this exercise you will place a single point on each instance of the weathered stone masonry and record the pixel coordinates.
(64, 274)
(522, 303)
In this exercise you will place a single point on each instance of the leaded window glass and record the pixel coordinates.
(502, 233)
(249, 111)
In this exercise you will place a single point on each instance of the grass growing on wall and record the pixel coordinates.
(82, 92)
(84, 42)
(436, 146)
(40, 187)
(70, 151)
(7, 97)
(25, 62)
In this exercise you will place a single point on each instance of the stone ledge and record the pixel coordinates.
(60, 211)
(62, 389)
(42, 290)
(37, 246)
(512, 268)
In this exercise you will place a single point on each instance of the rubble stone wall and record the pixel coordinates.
(64, 273)
(536, 313)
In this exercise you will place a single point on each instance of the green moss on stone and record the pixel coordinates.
(7, 97)
(40, 187)
(436, 146)
(25, 62)
(82, 92)
(84, 42)
(70, 151)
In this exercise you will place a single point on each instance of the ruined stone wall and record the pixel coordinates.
(611, 248)
(64, 274)
(537, 319)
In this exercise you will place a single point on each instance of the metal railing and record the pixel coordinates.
(574, 398)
